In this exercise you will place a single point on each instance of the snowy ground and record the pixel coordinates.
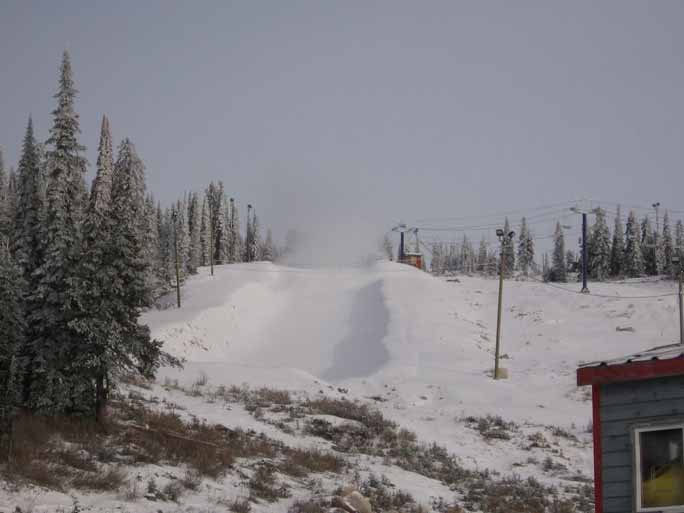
(422, 345)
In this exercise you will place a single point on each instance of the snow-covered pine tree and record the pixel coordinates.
(5, 222)
(135, 350)
(492, 262)
(167, 248)
(235, 250)
(194, 227)
(465, 255)
(247, 241)
(30, 211)
(509, 250)
(667, 246)
(182, 238)
(153, 279)
(436, 264)
(216, 204)
(97, 273)
(11, 199)
(633, 262)
(679, 238)
(482, 256)
(220, 227)
(570, 260)
(226, 232)
(13, 329)
(523, 248)
(617, 250)
(205, 234)
(267, 250)
(599, 256)
(255, 241)
(648, 249)
(558, 270)
(56, 383)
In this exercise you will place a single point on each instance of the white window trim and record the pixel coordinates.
(637, 467)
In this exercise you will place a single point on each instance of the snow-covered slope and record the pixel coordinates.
(423, 343)
(418, 348)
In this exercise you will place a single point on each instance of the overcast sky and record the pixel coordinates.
(357, 114)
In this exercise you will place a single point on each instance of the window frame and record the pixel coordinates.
(636, 448)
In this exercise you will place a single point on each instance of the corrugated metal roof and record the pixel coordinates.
(667, 352)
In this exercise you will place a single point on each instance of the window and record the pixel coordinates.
(659, 468)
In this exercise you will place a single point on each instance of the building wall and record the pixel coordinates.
(624, 405)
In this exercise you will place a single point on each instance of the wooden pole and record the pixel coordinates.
(681, 310)
(175, 247)
(502, 266)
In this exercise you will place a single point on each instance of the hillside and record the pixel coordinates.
(416, 347)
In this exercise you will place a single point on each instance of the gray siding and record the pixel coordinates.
(624, 405)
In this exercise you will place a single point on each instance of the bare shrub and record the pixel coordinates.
(263, 484)
(240, 506)
(299, 462)
(310, 506)
(110, 479)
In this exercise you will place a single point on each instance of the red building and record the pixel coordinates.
(638, 431)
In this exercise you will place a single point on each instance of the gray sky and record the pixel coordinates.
(357, 113)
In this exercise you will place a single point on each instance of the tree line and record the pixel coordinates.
(78, 267)
(632, 250)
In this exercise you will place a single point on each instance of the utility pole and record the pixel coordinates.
(504, 238)
(401, 228)
(656, 252)
(584, 212)
(248, 251)
(233, 241)
(676, 260)
(211, 244)
(174, 216)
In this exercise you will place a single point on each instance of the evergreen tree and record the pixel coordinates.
(182, 242)
(11, 199)
(97, 273)
(482, 256)
(599, 245)
(216, 204)
(166, 243)
(255, 240)
(30, 211)
(509, 250)
(492, 262)
(12, 330)
(153, 276)
(633, 261)
(56, 382)
(205, 234)
(135, 350)
(5, 220)
(667, 246)
(617, 250)
(524, 240)
(570, 260)
(648, 247)
(679, 238)
(236, 248)
(267, 249)
(194, 227)
(558, 270)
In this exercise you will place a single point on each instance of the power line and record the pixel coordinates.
(604, 296)
(496, 214)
